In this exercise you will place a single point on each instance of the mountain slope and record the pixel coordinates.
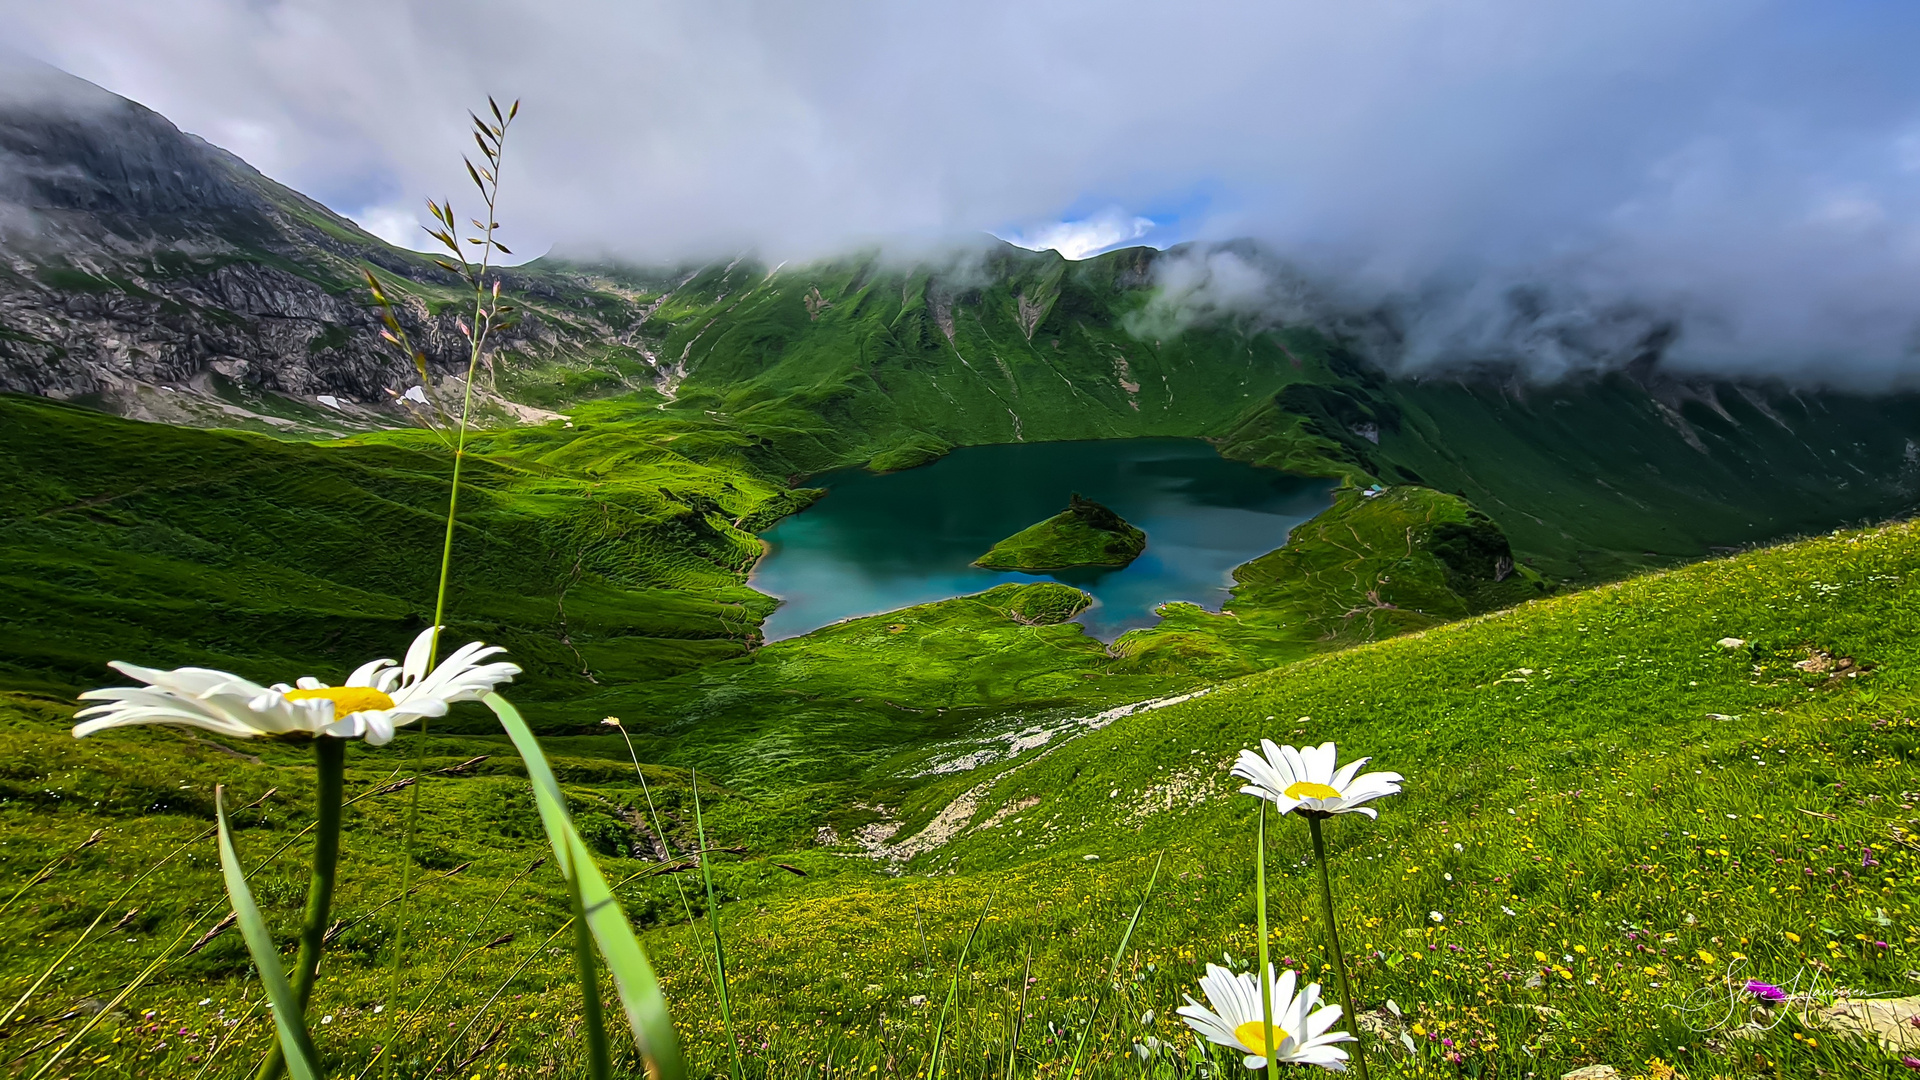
(147, 272)
(1609, 819)
(151, 274)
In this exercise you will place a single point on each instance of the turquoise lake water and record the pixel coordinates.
(879, 542)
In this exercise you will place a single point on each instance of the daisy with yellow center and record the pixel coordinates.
(1302, 1028)
(376, 698)
(1307, 779)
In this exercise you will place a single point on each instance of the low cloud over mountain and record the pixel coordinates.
(1550, 183)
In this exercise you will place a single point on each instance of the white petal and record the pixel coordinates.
(364, 674)
(416, 662)
(1321, 760)
(1345, 776)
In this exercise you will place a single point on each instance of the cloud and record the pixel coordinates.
(1086, 237)
(1744, 168)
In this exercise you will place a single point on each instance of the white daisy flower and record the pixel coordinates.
(377, 698)
(1300, 1024)
(1305, 779)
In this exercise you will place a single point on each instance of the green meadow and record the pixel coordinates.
(1611, 819)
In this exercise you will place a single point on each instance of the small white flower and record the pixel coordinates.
(377, 698)
(1436, 916)
(1301, 1026)
(1306, 779)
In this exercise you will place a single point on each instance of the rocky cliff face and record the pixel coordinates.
(150, 273)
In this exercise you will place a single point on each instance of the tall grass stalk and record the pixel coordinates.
(147, 973)
(467, 950)
(538, 951)
(713, 921)
(1260, 911)
(953, 992)
(487, 309)
(1020, 1013)
(113, 905)
(653, 814)
(1333, 943)
(46, 872)
(1113, 970)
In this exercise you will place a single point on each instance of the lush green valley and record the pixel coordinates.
(1608, 812)
(1634, 778)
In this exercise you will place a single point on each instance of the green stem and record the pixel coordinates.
(1266, 983)
(331, 756)
(1333, 946)
(713, 921)
(599, 1057)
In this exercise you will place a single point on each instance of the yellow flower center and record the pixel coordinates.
(346, 699)
(1253, 1036)
(1307, 789)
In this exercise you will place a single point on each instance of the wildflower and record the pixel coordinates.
(1765, 991)
(1306, 779)
(1301, 1026)
(1436, 916)
(377, 698)
(611, 721)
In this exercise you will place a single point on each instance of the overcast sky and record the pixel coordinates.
(1752, 167)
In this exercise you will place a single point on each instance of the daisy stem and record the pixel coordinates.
(331, 756)
(1260, 907)
(1333, 945)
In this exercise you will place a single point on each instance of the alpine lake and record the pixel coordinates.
(877, 542)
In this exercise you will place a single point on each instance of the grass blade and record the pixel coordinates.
(633, 975)
(1113, 970)
(713, 921)
(1020, 1013)
(287, 1018)
(953, 992)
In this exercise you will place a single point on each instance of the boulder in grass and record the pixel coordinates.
(1894, 1023)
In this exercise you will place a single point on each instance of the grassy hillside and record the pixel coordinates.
(595, 563)
(1608, 814)
(1592, 478)
(1379, 562)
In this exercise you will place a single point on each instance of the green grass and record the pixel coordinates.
(1634, 793)
(594, 560)
(1372, 566)
(1084, 534)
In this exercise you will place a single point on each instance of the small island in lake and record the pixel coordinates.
(1084, 534)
